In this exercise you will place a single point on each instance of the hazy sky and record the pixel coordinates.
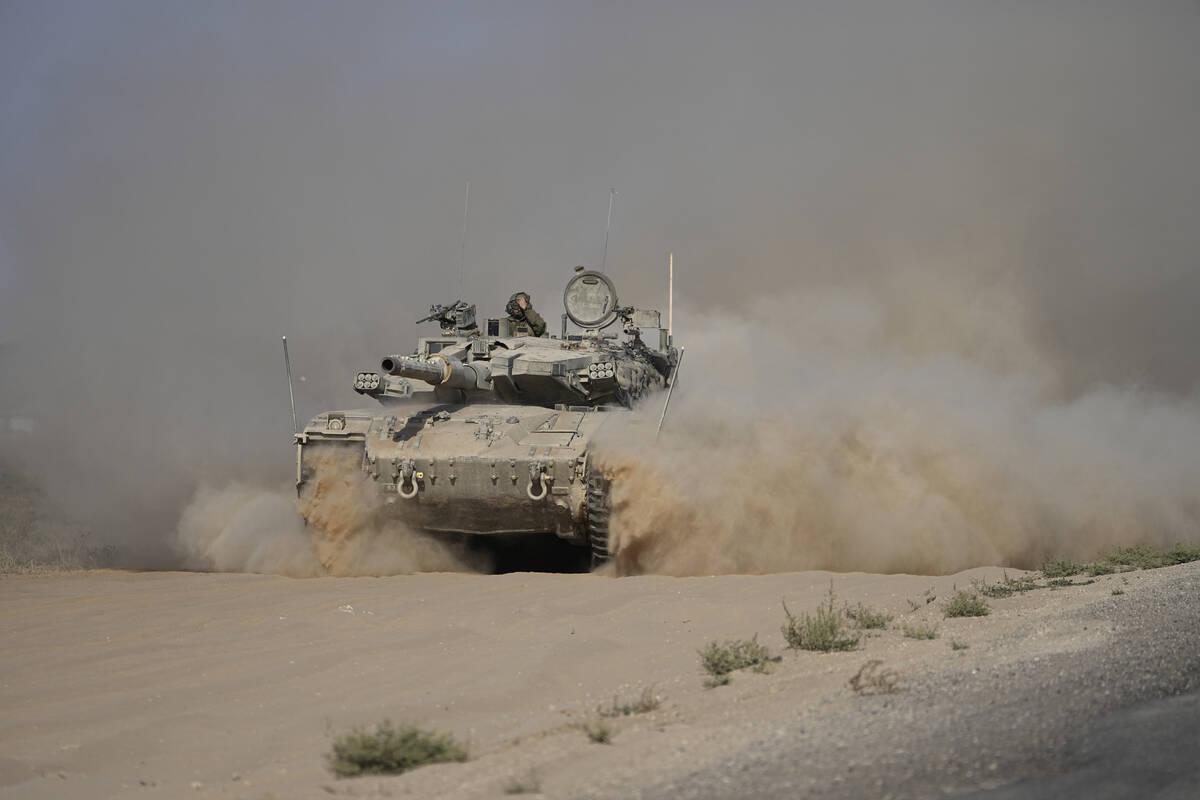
(183, 182)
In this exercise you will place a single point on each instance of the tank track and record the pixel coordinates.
(599, 509)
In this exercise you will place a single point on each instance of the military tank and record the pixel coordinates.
(488, 430)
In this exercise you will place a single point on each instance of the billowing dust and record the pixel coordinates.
(817, 434)
(828, 431)
(246, 529)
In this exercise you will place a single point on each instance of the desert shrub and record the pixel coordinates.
(390, 750)
(955, 644)
(1181, 554)
(824, 631)
(1005, 587)
(921, 631)
(996, 590)
(865, 618)
(1058, 583)
(598, 731)
(644, 703)
(966, 603)
(34, 538)
(719, 659)
(1145, 557)
(1060, 568)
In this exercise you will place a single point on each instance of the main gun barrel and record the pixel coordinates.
(439, 370)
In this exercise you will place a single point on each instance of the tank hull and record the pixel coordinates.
(477, 469)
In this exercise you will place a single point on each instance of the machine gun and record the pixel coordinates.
(456, 317)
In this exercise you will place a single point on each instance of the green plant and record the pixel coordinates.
(1000, 589)
(868, 618)
(529, 783)
(598, 731)
(1142, 556)
(720, 680)
(1118, 590)
(391, 750)
(1058, 583)
(955, 644)
(1025, 583)
(1060, 568)
(721, 659)
(921, 631)
(1005, 587)
(1181, 554)
(966, 603)
(645, 702)
(873, 678)
(825, 631)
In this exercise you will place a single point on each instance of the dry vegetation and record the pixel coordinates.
(920, 631)
(719, 660)
(598, 731)
(32, 539)
(966, 603)
(644, 703)
(824, 631)
(391, 750)
(866, 618)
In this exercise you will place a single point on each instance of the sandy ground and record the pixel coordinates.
(116, 684)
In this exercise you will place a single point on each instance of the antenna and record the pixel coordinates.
(287, 362)
(670, 298)
(611, 194)
(674, 379)
(462, 263)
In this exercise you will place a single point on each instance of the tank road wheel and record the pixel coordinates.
(599, 508)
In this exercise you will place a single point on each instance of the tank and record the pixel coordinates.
(480, 430)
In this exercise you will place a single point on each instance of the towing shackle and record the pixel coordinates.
(537, 475)
(408, 472)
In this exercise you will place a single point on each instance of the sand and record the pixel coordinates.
(119, 684)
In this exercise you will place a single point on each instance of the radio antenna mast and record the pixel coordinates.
(462, 263)
(611, 194)
(287, 363)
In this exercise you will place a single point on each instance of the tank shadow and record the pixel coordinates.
(529, 552)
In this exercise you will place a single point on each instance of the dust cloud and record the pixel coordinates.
(336, 527)
(936, 262)
(811, 435)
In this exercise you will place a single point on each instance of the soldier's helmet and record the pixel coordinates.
(513, 307)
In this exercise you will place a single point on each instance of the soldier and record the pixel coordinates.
(526, 321)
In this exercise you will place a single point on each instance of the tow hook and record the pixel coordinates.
(408, 474)
(537, 475)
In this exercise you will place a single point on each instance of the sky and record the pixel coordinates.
(183, 183)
